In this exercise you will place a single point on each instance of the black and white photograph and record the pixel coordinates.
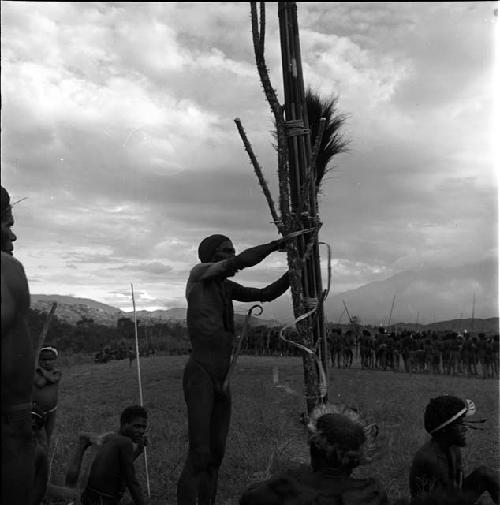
(250, 253)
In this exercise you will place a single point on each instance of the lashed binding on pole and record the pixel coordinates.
(141, 398)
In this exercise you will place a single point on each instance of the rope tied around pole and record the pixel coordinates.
(294, 127)
(313, 304)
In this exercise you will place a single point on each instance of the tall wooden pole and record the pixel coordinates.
(303, 207)
(141, 398)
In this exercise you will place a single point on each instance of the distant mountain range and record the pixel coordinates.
(72, 310)
(427, 296)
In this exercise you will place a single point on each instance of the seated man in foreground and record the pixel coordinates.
(113, 467)
(339, 441)
(437, 465)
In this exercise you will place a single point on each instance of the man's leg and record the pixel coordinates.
(41, 463)
(480, 480)
(199, 396)
(219, 429)
(18, 452)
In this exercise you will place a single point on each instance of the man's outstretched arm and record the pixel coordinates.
(248, 258)
(272, 291)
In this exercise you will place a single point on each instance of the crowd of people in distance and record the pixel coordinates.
(339, 439)
(430, 352)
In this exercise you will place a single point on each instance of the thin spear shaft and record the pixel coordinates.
(473, 311)
(45, 330)
(392, 308)
(347, 311)
(141, 399)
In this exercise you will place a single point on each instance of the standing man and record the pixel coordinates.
(18, 366)
(131, 355)
(210, 323)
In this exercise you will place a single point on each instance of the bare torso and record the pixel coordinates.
(18, 356)
(18, 364)
(45, 392)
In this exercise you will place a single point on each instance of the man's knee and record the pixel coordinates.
(201, 459)
(483, 479)
(217, 457)
(41, 464)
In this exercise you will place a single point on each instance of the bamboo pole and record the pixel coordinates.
(141, 399)
(297, 192)
(303, 208)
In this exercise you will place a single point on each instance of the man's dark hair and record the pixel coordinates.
(440, 409)
(133, 412)
(336, 443)
(4, 201)
(209, 245)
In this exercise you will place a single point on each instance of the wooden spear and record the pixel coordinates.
(141, 399)
(390, 314)
(473, 312)
(45, 330)
(347, 311)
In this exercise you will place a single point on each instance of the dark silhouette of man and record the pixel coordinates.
(210, 323)
(18, 367)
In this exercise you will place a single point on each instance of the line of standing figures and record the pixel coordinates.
(447, 353)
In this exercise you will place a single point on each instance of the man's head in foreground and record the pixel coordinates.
(444, 419)
(7, 221)
(339, 439)
(133, 423)
(215, 248)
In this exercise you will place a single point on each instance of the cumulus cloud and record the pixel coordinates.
(117, 124)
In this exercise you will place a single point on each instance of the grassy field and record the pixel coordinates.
(265, 428)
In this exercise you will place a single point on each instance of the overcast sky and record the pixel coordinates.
(117, 125)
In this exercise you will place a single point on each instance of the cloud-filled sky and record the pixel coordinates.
(117, 125)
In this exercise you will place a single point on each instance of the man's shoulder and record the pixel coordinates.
(199, 269)
(206, 271)
(11, 265)
(117, 440)
(428, 454)
(14, 282)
